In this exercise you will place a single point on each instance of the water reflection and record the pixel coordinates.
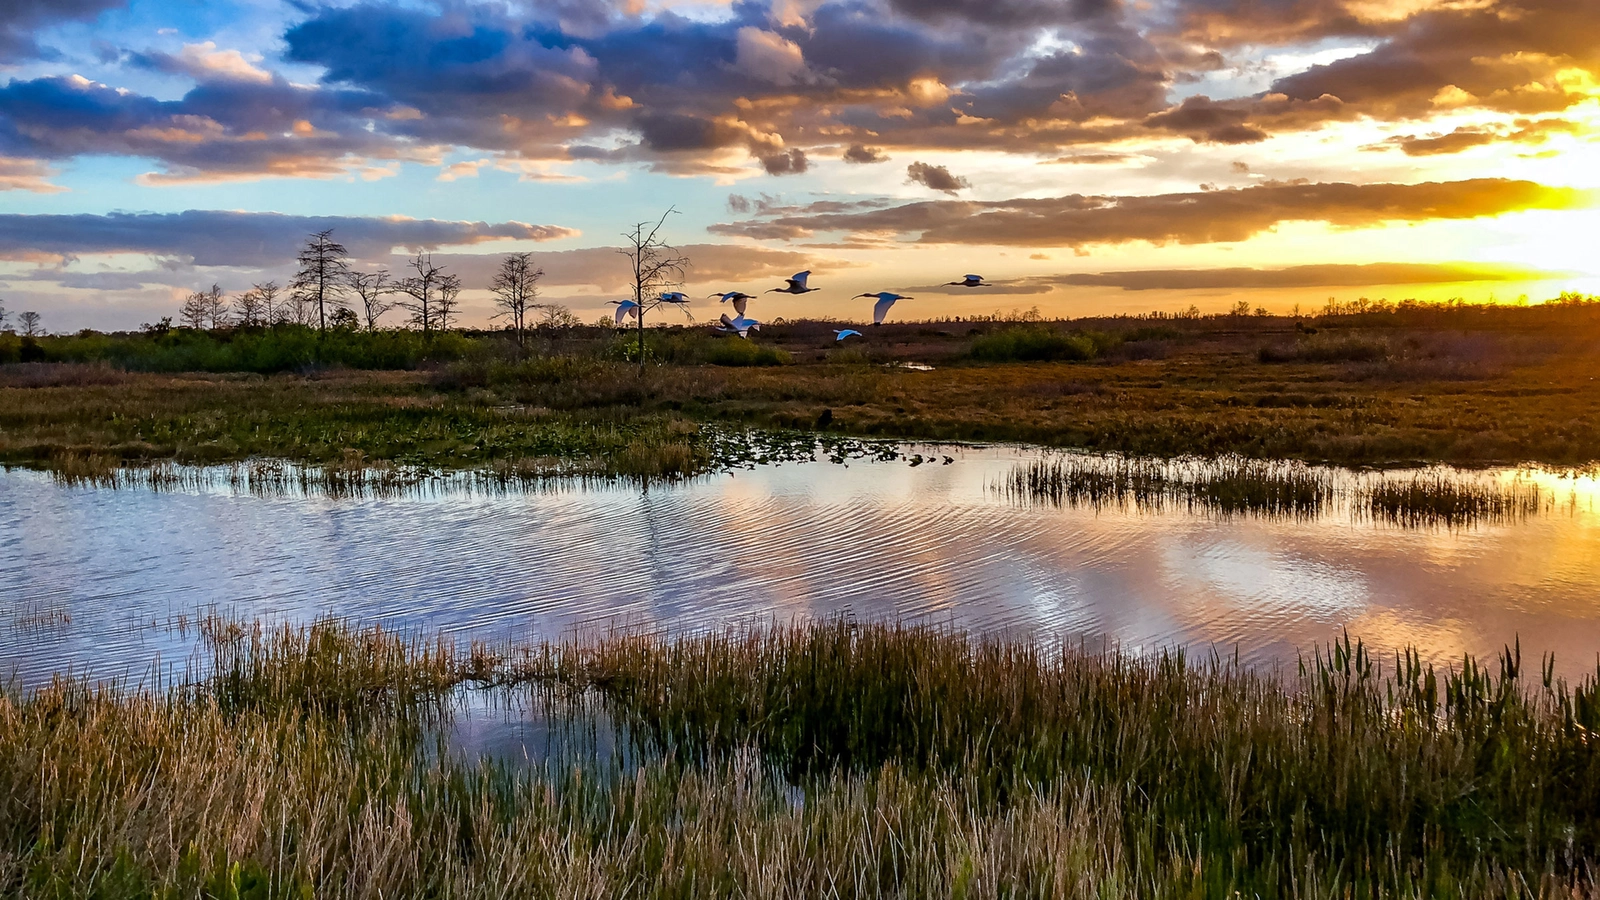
(90, 577)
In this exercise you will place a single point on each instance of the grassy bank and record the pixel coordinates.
(1466, 387)
(829, 760)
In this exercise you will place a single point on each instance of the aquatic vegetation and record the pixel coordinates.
(1230, 485)
(830, 759)
(1438, 499)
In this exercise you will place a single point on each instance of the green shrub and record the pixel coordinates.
(1328, 348)
(278, 349)
(736, 352)
(1035, 343)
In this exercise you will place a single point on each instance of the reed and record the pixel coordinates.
(1438, 500)
(830, 759)
(1226, 485)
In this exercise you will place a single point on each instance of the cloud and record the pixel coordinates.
(204, 62)
(1524, 131)
(936, 177)
(792, 162)
(216, 238)
(26, 175)
(1320, 275)
(862, 154)
(1079, 220)
(21, 20)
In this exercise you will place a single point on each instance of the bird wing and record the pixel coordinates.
(881, 308)
(799, 279)
(740, 301)
(973, 277)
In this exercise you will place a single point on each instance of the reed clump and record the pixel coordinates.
(831, 759)
(1227, 485)
(1437, 500)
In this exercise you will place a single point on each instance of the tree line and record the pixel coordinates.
(328, 292)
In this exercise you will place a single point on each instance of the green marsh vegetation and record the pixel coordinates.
(1453, 384)
(822, 760)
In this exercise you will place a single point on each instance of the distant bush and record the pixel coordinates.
(736, 352)
(1035, 343)
(1328, 348)
(278, 349)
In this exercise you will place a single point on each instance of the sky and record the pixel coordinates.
(1086, 156)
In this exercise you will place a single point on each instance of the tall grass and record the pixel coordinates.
(1439, 500)
(1036, 343)
(831, 760)
(1227, 485)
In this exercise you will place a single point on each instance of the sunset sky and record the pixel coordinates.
(1087, 156)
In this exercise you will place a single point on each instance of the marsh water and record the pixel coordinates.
(95, 581)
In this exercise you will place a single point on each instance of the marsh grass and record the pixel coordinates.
(1232, 486)
(822, 760)
(1437, 499)
(1226, 486)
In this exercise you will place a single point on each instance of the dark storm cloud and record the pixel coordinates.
(1189, 218)
(21, 19)
(217, 238)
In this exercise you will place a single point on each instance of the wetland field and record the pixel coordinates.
(1180, 606)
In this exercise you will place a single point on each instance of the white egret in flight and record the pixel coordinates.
(626, 308)
(842, 333)
(970, 281)
(740, 326)
(885, 300)
(739, 299)
(796, 285)
(678, 297)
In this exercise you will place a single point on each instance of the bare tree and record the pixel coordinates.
(28, 320)
(204, 309)
(449, 290)
(423, 291)
(655, 265)
(250, 309)
(373, 289)
(4, 314)
(272, 305)
(554, 315)
(515, 287)
(321, 279)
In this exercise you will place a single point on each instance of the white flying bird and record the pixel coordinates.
(885, 300)
(626, 308)
(739, 299)
(740, 326)
(842, 333)
(970, 281)
(796, 285)
(673, 297)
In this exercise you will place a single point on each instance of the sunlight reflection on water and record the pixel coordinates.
(90, 579)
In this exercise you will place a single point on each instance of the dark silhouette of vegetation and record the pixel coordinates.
(320, 280)
(516, 291)
(653, 266)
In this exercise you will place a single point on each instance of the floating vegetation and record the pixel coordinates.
(1229, 485)
(1435, 498)
(820, 760)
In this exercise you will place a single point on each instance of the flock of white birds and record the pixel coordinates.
(742, 325)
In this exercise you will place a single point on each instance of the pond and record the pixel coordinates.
(95, 581)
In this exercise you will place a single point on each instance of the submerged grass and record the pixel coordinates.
(825, 760)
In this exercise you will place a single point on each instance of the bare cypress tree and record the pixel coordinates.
(449, 290)
(423, 290)
(195, 311)
(250, 310)
(655, 265)
(4, 314)
(372, 289)
(321, 279)
(515, 288)
(272, 307)
(28, 321)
